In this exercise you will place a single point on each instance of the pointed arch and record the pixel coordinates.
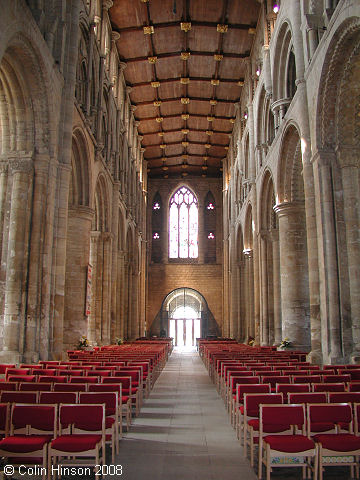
(183, 224)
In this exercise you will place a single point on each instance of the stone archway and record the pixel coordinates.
(185, 326)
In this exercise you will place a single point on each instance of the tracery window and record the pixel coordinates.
(183, 224)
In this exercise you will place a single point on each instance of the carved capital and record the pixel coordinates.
(107, 4)
(4, 167)
(22, 165)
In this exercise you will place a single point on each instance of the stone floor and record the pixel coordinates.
(182, 431)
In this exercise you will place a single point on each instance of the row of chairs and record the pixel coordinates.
(30, 392)
(57, 435)
(313, 437)
(314, 423)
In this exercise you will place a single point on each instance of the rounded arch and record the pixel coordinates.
(24, 109)
(343, 46)
(283, 57)
(101, 206)
(290, 179)
(80, 180)
(267, 220)
(181, 298)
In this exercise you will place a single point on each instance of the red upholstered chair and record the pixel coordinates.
(70, 387)
(16, 371)
(241, 389)
(5, 366)
(336, 378)
(124, 401)
(19, 397)
(81, 435)
(99, 373)
(335, 444)
(306, 378)
(110, 400)
(43, 371)
(126, 385)
(35, 387)
(58, 397)
(291, 441)
(286, 388)
(76, 379)
(318, 397)
(32, 428)
(252, 403)
(354, 386)
(274, 380)
(135, 392)
(21, 378)
(344, 397)
(8, 386)
(4, 419)
(328, 387)
(52, 378)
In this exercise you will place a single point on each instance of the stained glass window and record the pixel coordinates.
(183, 224)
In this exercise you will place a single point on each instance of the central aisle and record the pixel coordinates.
(182, 431)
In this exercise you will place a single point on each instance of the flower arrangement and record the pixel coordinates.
(285, 343)
(119, 341)
(251, 343)
(83, 342)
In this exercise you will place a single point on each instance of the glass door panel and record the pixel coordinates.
(180, 333)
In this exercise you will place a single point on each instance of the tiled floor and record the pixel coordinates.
(182, 431)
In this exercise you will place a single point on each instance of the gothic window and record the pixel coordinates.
(156, 226)
(210, 229)
(183, 224)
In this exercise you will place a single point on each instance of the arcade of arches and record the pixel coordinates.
(179, 168)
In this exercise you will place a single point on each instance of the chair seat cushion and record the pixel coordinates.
(341, 442)
(289, 443)
(75, 443)
(24, 443)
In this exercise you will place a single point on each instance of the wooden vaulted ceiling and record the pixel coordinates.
(186, 62)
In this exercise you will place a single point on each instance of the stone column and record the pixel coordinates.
(3, 190)
(114, 262)
(38, 335)
(94, 242)
(119, 318)
(294, 274)
(349, 161)
(264, 321)
(250, 324)
(106, 290)
(77, 260)
(276, 286)
(61, 220)
(328, 261)
(242, 297)
(14, 323)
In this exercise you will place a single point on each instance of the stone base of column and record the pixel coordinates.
(335, 360)
(314, 358)
(355, 357)
(31, 357)
(8, 356)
